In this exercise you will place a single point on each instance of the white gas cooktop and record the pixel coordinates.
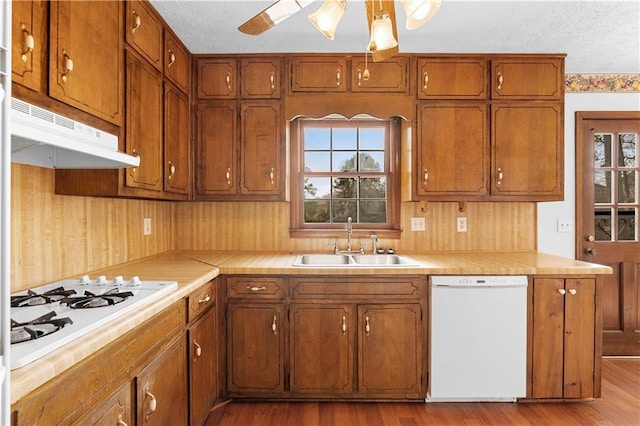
(83, 321)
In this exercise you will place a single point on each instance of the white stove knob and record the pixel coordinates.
(118, 280)
(101, 280)
(84, 280)
(134, 281)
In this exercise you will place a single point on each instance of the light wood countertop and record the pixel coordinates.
(191, 269)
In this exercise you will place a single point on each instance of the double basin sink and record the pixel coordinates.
(348, 260)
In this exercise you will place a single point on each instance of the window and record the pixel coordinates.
(341, 169)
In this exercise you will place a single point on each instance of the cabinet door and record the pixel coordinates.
(255, 349)
(327, 371)
(144, 124)
(217, 79)
(85, 56)
(177, 166)
(319, 74)
(527, 150)
(260, 148)
(116, 410)
(260, 78)
(177, 62)
(144, 31)
(452, 78)
(548, 338)
(162, 388)
(452, 149)
(389, 76)
(390, 350)
(579, 338)
(29, 34)
(527, 79)
(216, 152)
(203, 367)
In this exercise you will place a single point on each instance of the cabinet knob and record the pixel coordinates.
(425, 81)
(67, 65)
(572, 291)
(562, 291)
(344, 324)
(590, 238)
(172, 58)
(172, 170)
(136, 21)
(500, 80)
(153, 404)
(27, 43)
(198, 350)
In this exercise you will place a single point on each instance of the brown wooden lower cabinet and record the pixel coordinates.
(203, 378)
(566, 339)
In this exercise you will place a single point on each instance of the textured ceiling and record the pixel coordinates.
(597, 36)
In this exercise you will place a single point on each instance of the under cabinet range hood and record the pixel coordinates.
(46, 139)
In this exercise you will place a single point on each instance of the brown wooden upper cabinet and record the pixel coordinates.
(29, 34)
(177, 61)
(144, 31)
(85, 53)
(533, 78)
(455, 78)
(389, 76)
(319, 74)
(217, 78)
(177, 166)
(260, 78)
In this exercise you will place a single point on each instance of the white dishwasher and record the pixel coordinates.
(478, 338)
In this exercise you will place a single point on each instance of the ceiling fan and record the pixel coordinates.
(381, 20)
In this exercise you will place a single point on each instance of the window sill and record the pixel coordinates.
(390, 234)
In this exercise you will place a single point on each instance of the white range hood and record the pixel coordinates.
(46, 139)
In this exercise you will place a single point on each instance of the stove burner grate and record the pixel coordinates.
(91, 300)
(34, 299)
(39, 327)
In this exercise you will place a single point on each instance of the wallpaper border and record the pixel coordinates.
(612, 83)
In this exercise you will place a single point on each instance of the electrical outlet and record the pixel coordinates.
(564, 225)
(417, 224)
(147, 226)
(461, 224)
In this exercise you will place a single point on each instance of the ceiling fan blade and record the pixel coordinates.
(373, 6)
(272, 15)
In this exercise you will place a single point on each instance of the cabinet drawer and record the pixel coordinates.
(356, 287)
(177, 62)
(201, 299)
(268, 288)
(321, 74)
(452, 79)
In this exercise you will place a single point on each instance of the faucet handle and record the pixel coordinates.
(362, 246)
(335, 246)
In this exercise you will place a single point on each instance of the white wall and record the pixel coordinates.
(549, 239)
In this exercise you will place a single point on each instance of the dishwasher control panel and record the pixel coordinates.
(478, 281)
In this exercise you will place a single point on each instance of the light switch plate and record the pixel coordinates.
(461, 224)
(418, 224)
(147, 226)
(564, 225)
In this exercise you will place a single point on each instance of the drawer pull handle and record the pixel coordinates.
(67, 65)
(172, 58)
(425, 81)
(172, 170)
(228, 79)
(27, 43)
(198, 350)
(500, 80)
(344, 324)
(367, 326)
(500, 175)
(338, 78)
(153, 404)
(256, 288)
(272, 80)
(120, 421)
(272, 176)
(425, 176)
(136, 21)
(205, 300)
(274, 326)
(227, 175)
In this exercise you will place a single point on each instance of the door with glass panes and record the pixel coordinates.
(608, 208)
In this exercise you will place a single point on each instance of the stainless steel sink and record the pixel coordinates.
(342, 260)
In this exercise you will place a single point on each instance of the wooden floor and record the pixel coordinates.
(619, 405)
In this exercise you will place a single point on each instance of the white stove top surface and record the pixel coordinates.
(84, 320)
